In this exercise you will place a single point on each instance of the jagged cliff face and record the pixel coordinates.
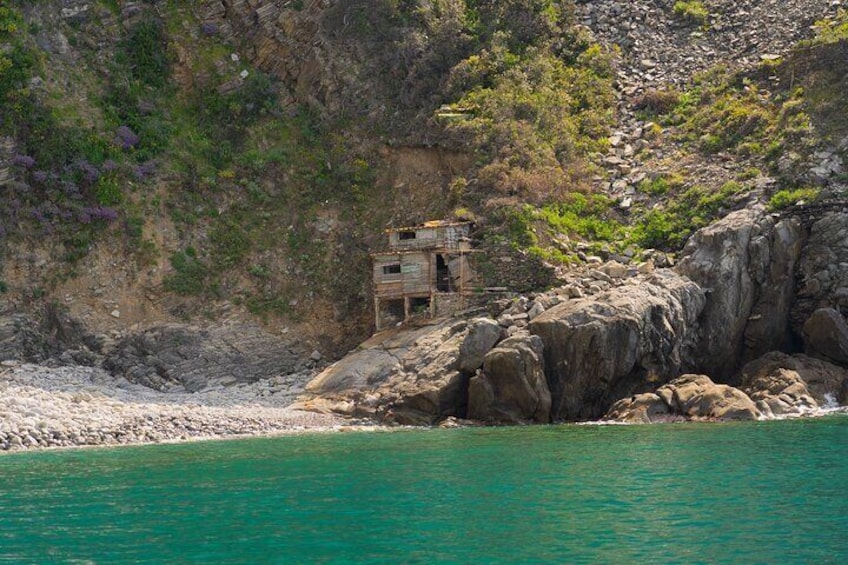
(267, 144)
(725, 312)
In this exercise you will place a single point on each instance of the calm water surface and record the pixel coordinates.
(766, 492)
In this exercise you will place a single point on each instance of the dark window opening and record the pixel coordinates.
(406, 235)
(391, 311)
(443, 280)
(391, 269)
(419, 305)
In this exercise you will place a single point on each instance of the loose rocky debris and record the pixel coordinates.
(160, 384)
(76, 406)
(661, 50)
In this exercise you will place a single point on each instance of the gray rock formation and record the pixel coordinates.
(483, 334)
(403, 375)
(600, 350)
(645, 408)
(175, 357)
(780, 392)
(825, 381)
(20, 340)
(728, 302)
(775, 385)
(744, 262)
(826, 335)
(823, 269)
(690, 397)
(512, 386)
(698, 397)
(51, 336)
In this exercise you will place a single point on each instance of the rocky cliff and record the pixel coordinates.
(192, 191)
(724, 311)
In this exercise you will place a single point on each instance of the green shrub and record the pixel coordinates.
(659, 229)
(265, 304)
(144, 53)
(661, 184)
(693, 12)
(749, 173)
(259, 271)
(190, 276)
(108, 191)
(582, 215)
(831, 30)
(785, 198)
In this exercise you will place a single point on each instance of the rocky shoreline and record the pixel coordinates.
(753, 314)
(75, 406)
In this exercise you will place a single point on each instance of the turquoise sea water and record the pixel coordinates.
(766, 492)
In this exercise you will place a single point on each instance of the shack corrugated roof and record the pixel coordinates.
(402, 252)
(429, 224)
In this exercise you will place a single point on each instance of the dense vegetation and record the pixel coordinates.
(273, 196)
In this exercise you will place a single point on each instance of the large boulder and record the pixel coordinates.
(600, 349)
(745, 264)
(403, 375)
(645, 408)
(780, 392)
(824, 381)
(825, 335)
(483, 334)
(823, 269)
(688, 397)
(697, 397)
(511, 387)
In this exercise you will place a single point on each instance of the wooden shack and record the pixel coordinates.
(426, 269)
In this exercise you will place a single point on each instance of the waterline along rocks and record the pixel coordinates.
(716, 337)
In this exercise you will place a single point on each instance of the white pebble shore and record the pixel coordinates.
(44, 407)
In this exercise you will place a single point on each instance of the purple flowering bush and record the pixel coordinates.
(24, 161)
(126, 138)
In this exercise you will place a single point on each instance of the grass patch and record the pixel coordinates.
(191, 276)
(692, 12)
(785, 198)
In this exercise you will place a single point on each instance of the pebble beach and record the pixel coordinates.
(72, 406)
